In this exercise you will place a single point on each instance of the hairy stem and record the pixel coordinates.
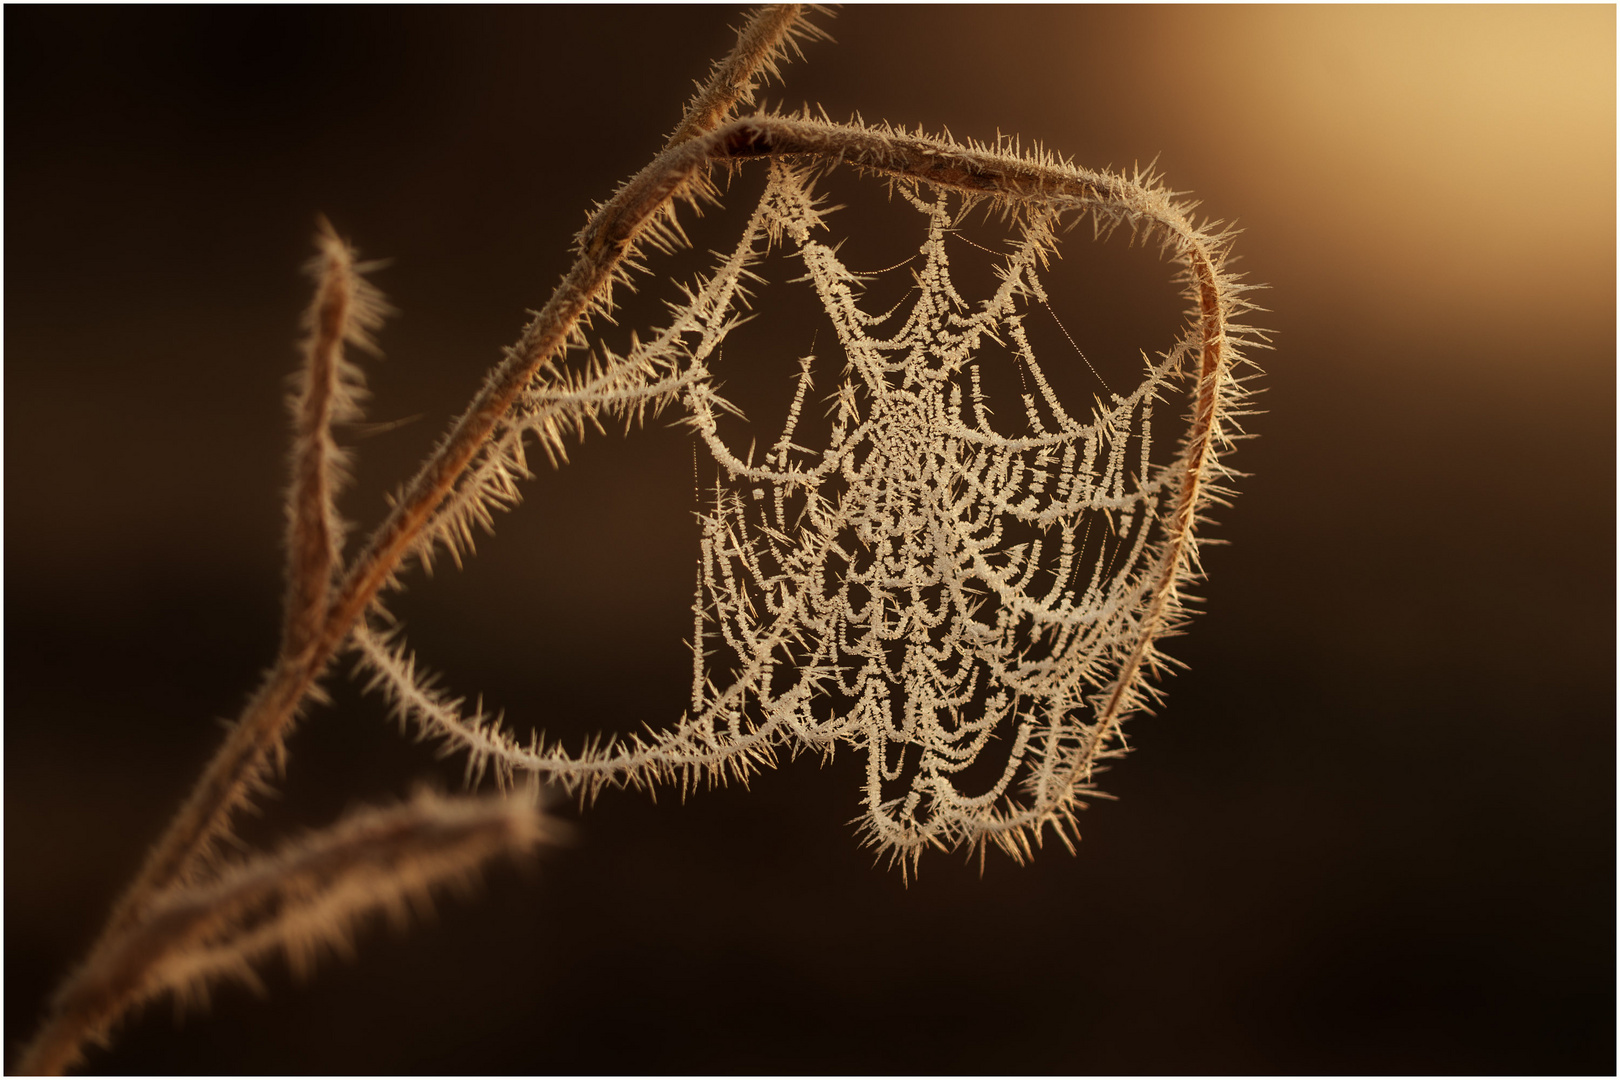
(310, 543)
(761, 45)
(309, 643)
(610, 235)
(306, 895)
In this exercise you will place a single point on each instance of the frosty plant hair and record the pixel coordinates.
(908, 566)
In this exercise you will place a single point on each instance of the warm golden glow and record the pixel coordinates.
(1424, 159)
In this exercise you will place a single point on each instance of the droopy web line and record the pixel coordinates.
(1046, 304)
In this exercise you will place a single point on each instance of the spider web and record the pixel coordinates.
(952, 598)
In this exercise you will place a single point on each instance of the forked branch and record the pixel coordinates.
(315, 624)
(610, 236)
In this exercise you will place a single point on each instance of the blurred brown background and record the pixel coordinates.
(1371, 831)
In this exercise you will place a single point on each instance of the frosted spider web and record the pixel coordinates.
(931, 589)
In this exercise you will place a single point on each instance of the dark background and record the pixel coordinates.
(1372, 829)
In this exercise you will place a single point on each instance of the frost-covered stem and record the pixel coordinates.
(303, 896)
(345, 307)
(610, 235)
(606, 240)
(226, 784)
(306, 650)
(761, 45)
(310, 539)
(1213, 373)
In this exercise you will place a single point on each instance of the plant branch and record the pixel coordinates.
(303, 897)
(309, 642)
(610, 235)
(345, 308)
(762, 45)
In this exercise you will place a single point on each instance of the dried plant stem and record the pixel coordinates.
(297, 900)
(611, 234)
(312, 635)
(1214, 372)
(762, 44)
(310, 542)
